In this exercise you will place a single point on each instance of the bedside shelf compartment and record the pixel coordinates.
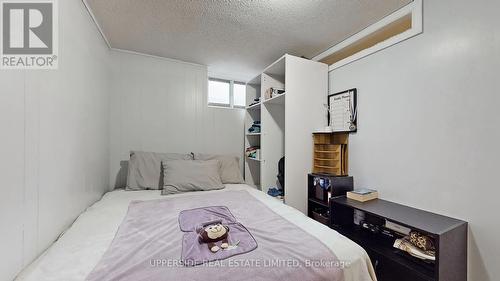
(318, 202)
(449, 234)
(388, 260)
(319, 199)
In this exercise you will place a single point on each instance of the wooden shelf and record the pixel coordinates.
(326, 167)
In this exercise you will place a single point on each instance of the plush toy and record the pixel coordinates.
(212, 233)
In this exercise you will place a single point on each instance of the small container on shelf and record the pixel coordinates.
(322, 187)
(321, 215)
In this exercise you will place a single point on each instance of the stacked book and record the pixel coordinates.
(362, 195)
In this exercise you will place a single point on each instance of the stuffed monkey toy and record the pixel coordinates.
(212, 233)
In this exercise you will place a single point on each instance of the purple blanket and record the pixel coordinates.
(194, 253)
(148, 244)
(190, 219)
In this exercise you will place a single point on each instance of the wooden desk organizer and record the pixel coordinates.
(330, 153)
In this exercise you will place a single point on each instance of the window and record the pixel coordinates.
(226, 93)
(219, 93)
(397, 27)
(240, 94)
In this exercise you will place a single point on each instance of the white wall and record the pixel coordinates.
(53, 141)
(161, 105)
(56, 130)
(429, 128)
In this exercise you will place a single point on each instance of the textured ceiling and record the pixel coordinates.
(233, 38)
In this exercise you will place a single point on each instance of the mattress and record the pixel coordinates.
(79, 249)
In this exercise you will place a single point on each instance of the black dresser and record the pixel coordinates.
(391, 264)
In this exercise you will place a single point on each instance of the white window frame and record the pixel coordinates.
(415, 8)
(231, 94)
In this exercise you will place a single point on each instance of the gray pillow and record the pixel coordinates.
(144, 169)
(183, 176)
(230, 166)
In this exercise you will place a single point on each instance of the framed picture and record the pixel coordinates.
(342, 111)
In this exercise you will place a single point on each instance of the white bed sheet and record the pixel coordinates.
(79, 249)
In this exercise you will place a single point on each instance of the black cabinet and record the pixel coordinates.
(391, 264)
(319, 198)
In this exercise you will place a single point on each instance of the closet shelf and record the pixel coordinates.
(306, 83)
(255, 159)
(253, 134)
(254, 107)
(279, 99)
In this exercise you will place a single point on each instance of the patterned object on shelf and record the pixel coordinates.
(253, 152)
(422, 241)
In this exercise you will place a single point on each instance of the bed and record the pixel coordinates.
(79, 249)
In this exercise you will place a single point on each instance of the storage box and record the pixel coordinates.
(320, 217)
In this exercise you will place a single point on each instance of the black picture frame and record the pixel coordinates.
(355, 99)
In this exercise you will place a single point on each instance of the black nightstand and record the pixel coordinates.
(449, 235)
(318, 205)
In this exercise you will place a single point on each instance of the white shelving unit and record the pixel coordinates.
(252, 166)
(287, 123)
